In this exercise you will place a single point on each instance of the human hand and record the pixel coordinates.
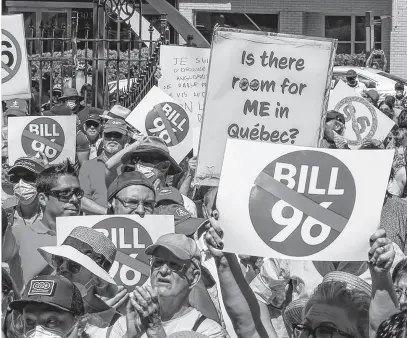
(158, 73)
(381, 254)
(145, 302)
(213, 237)
(134, 327)
(192, 163)
(117, 301)
(44, 159)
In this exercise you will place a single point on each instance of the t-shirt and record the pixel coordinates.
(82, 142)
(29, 238)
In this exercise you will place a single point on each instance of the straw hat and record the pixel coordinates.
(293, 312)
(90, 249)
(116, 112)
(353, 282)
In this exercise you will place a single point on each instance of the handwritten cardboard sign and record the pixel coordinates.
(301, 203)
(362, 120)
(55, 136)
(160, 115)
(184, 75)
(263, 87)
(130, 234)
(15, 79)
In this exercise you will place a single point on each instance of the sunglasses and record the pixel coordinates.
(151, 162)
(27, 177)
(157, 263)
(66, 195)
(72, 267)
(93, 124)
(113, 135)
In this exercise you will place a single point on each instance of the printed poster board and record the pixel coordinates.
(55, 136)
(130, 234)
(301, 203)
(160, 115)
(363, 121)
(184, 75)
(263, 87)
(15, 78)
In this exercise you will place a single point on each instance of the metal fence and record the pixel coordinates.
(107, 66)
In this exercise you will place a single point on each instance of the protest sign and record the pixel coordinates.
(54, 136)
(184, 74)
(15, 79)
(363, 121)
(130, 234)
(263, 87)
(160, 115)
(301, 203)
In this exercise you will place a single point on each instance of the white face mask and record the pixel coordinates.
(71, 104)
(42, 332)
(84, 289)
(152, 174)
(25, 192)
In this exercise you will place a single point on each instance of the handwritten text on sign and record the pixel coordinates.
(300, 202)
(271, 89)
(184, 76)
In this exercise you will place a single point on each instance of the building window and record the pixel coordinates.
(351, 33)
(206, 21)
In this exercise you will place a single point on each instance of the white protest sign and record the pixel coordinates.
(184, 75)
(160, 115)
(55, 136)
(15, 79)
(263, 87)
(130, 234)
(301, 203)
(362, 120)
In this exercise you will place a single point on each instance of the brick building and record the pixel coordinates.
(343, 20)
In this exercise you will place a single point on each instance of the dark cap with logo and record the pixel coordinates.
(94, 117)
(16, 107)
(116, 125)
(32, 164)
(351, 73)
(56, 291)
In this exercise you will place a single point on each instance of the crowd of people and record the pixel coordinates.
(51, 290)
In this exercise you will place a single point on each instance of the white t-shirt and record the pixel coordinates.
(208, 327)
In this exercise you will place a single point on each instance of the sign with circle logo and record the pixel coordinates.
(363, 127)
(54, 136)
(14, 61)
(43, 135)
(131, 239)
(301, 202)
(168, 121)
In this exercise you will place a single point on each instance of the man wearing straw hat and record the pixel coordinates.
(85, 258)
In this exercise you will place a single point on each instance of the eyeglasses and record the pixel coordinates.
(302, 331)
(147, 205)
(92, 124)
(157, 263)
(148, 159)
(114, 135)
(66, 195)
(72, 267)
(27, 177)
(400, 293)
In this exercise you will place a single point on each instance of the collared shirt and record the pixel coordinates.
(29, 238)
(92, 178)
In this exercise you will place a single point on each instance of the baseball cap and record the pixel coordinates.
(127, 179)
(33, 164)
(94, 117)
(169, 194)
(117, 112)
(56, 291)
(351, 73)
(184, 222)
(16, 107)
(180, 245)
(399, 86)
(116, 125)
(334, 115)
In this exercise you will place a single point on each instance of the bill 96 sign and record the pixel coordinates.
(301, 202)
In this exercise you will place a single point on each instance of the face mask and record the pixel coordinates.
(84, 289)
(42, 332)
(151, 173)
(71, 104)
(25, 192)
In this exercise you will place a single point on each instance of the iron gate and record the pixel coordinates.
(108, 65)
